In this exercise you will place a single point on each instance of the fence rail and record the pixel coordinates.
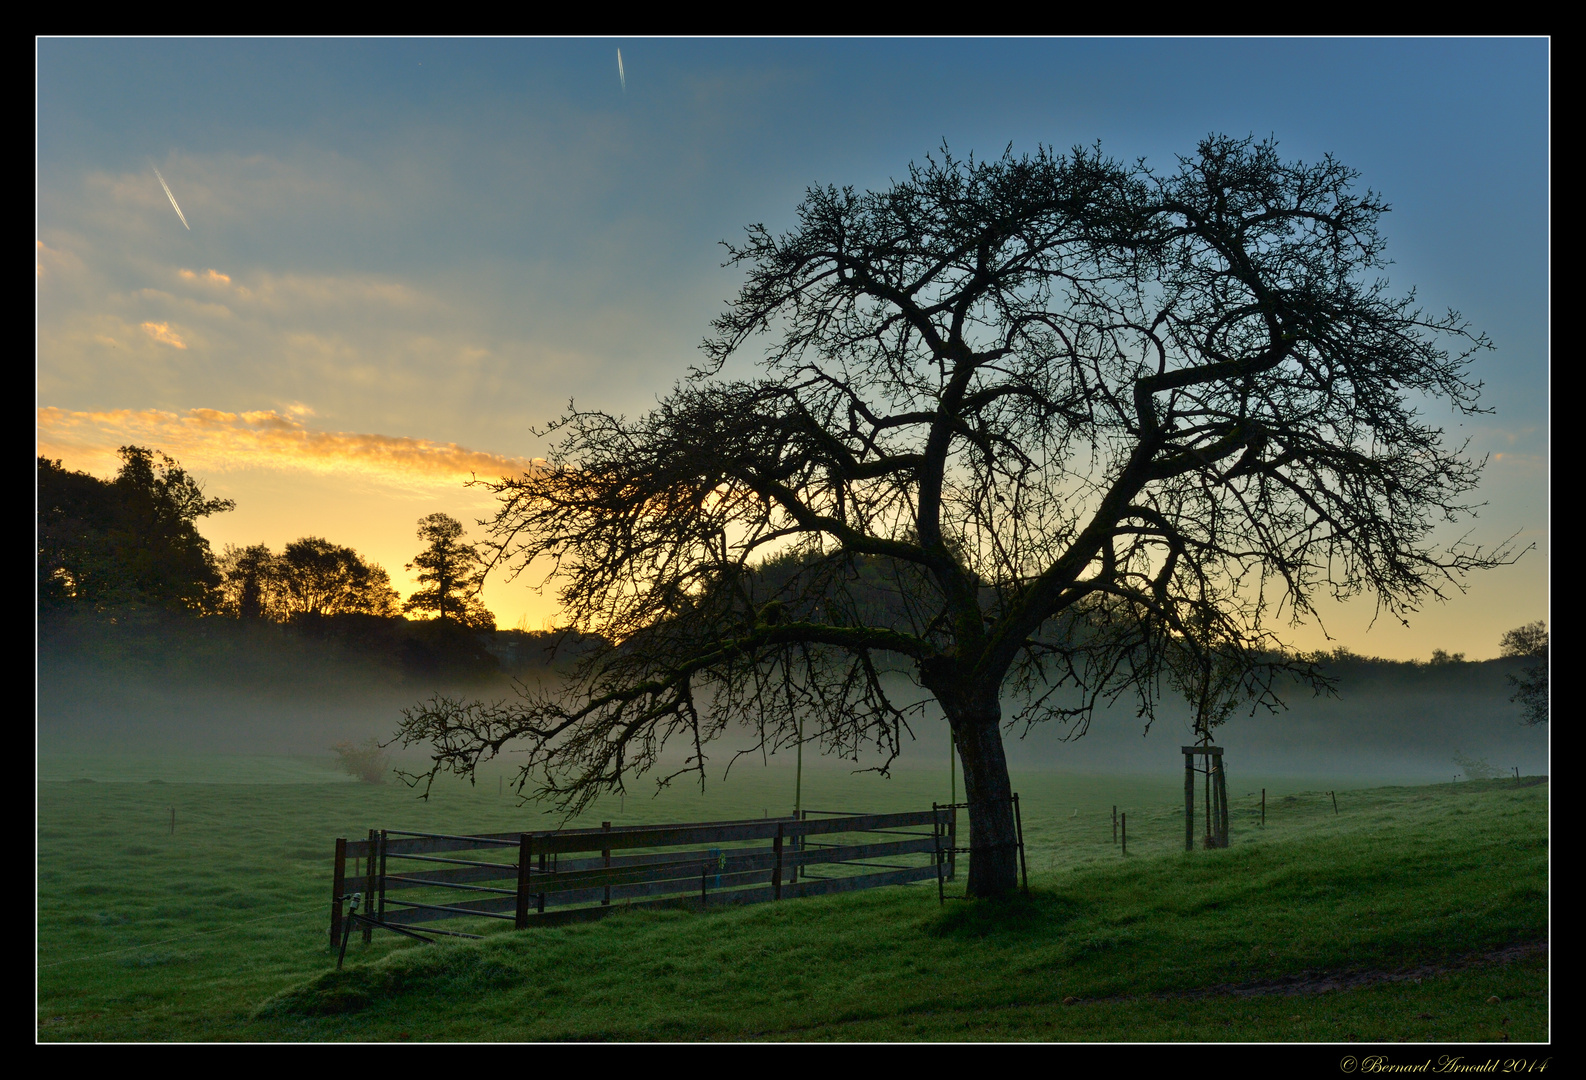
(407, 879)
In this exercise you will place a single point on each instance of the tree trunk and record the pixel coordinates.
(993, 841)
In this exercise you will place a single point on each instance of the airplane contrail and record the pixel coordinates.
(621, 77)
(168, 195)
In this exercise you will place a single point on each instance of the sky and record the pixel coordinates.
(402, 258)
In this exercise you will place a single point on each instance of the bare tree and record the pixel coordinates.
(1094, 427)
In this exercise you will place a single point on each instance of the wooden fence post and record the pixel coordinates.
(776, 871)
(1123, 824)
(952, 843)
(1222, 803)
(1189, 799)
(381, 915)
(337, 884)
(520, 918)
(1263, 808)
(369, 883)
(605, 856)
(1018, 824)
(938, 830)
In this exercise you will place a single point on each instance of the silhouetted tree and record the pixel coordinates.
(1097, 425)
(249, 581)
(133, 539)
(314, 577)
(451, 573)
(1530, 686)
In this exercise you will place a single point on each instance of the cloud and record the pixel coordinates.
(208, 277)
(163, 333)
(213, 440)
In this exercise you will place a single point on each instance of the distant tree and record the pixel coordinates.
(133, 539)
(1443, 656)
(315, 577)
(1529, 641)
(249, 582)
(451, 573)
(1097, 425)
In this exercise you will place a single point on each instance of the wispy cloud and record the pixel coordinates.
(162, 332)
(208, 277)
(213, 440)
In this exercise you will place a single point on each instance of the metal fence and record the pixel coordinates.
(406, 882)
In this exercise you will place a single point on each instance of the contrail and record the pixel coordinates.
(168, 195)
(622, 78)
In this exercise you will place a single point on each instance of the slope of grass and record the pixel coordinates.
(217, 931)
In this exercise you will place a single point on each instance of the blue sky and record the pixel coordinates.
(403, 254)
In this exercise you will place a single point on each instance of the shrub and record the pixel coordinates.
(1476, 768)
(367, 761)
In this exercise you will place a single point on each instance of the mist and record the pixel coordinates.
(282, 695)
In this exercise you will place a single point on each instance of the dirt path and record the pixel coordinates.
(1320, 982)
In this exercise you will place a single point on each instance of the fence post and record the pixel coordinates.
(525, 863)
(1123, 824)
(337, 884)
(952, 842)
(1189, 799)
(798, 845)
(605, 856)
(776, 871)
(1018, 824)
(1222, 801)
(381, 914)
(1263, 808)
(369, 882)
(938, 830)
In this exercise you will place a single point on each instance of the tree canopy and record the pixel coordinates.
(131, 539)
(311, 578)
(1530, 686)
(1099, 428)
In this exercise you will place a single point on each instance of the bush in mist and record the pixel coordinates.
(367, 761)
(1476, 768)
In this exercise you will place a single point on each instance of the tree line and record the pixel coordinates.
(133, 541)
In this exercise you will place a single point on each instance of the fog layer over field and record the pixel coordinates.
(291, 696)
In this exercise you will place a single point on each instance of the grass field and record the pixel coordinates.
(218, 930)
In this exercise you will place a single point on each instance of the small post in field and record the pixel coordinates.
(1334, 794)
(1189, 798)
(1123, 823)
(173, 816)
(1263, 808)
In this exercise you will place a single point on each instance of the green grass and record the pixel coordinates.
(219, 931)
